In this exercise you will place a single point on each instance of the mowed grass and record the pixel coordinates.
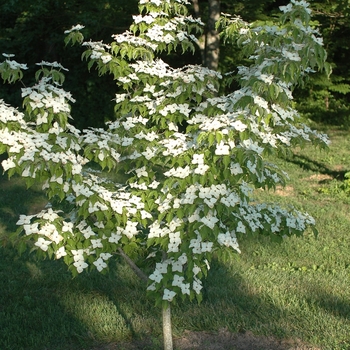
(299, 289)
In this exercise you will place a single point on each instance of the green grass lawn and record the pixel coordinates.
(298, 289)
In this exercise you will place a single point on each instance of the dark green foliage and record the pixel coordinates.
(34, 31)
(327, 100)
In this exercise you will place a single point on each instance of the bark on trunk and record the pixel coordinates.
(202, 39)
(210, 42)
(167, 332)
(212, 46)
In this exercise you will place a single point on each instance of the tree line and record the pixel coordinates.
(34, 31)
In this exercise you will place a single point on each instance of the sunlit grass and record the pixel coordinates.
(298, 289)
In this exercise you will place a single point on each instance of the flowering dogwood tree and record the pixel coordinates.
(185, 195)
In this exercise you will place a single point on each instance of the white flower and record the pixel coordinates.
(162, 267)
(106, 58)
(197, 286)
(293, 56)
(105, 256)
(50, 215)
(168, 294)
(239, 126)
(176, 266)
(196, 270)
(222, 149)
(78, 254)
(76, 27)
(286, 9)
(60, 253)
(198, 159)
(96, 243)
(253, 146)
(8, 55)
(195, 244)
(209, 221)
(8, 164)
(152, 286)
(177, 281)
(154, 184)
(207, 246)
(80, 265)
(115, 237)
(183, 259)
(145, 215)
(251, 167)
(156, 276)
(228, 239)
(149, 153)
(141, 172)
(201, 169)
(130, 229)
(32, 228)
(100, 264)
(236, 169)
(173, 127)
(43, 244)
(24, 219)
(178, 172)
(261, 102)
(240, 227)
(185, 288)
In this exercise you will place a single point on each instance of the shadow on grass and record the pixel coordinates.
(337, 305)
(42, 307)
(309, 164)
(16, 200)
(31, 314)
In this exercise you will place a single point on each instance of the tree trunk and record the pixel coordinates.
(209, 43)
(167, 332)
(202, 39)
(212, 45)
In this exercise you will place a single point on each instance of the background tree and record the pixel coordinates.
(327, 100)
(23, 22)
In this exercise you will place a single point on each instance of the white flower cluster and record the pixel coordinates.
(74, 28)
(49, 96)
(12, 64)
(131, 39)
(178, 283)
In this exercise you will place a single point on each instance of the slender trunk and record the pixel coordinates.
(167, 332)
(166, 312)
(212, 45)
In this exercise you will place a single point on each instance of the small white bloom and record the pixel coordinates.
(76, 27)
(210, 221)
(42, 244)
(100, 264)
(60, 253)
(222, 149)
(24, 219)
(80, 265)
(156, 276)
(168, 294)
(197, 286)
(236, 169)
